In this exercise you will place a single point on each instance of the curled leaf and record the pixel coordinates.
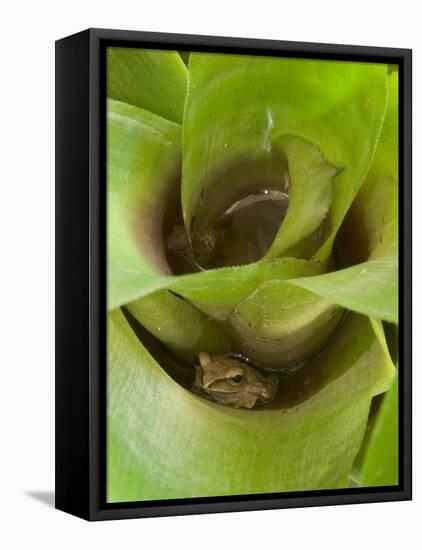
(143, 164)
(282, 325)
(380, 466)
(179, 325)
(370, 288)
(164, 442)
(152, 79)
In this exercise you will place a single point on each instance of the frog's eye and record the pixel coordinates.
(236, 379)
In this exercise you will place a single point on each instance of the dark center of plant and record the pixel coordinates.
(241, 234)
(244, 232)
(235, 218)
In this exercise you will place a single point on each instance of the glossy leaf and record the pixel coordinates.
(370, 288)
(238, 105)
(387, 153)
(164, 442)
(281, 325)
(310, 191)
(247, 121)
(143, 162)
(381, 461)
(370, 232)
(179, 325)
(217, 292)
(370, 229)
(154, 80)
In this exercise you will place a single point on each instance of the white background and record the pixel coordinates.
(27, 272)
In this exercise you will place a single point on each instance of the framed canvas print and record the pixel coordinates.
(233, 274)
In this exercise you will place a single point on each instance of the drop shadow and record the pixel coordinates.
(45, 497)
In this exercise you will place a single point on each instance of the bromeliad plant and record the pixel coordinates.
(252, 214)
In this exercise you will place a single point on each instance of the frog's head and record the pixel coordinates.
(226, 379)
(221, 374)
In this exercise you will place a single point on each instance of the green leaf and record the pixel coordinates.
(164, 442)
(281, 325)
(387, 153)
(310, 193)
(143, 163)
(248, 120)
(237, 106)
(370, 288)
(151, 79)
(381, 333)
(217, 292)
(380, 466)
(179, 325)
(370, 229)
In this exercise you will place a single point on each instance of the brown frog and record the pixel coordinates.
(230, 381)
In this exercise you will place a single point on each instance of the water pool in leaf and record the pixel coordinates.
(240, 211)
(241, 235)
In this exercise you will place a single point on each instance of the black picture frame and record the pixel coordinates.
(81, 273)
